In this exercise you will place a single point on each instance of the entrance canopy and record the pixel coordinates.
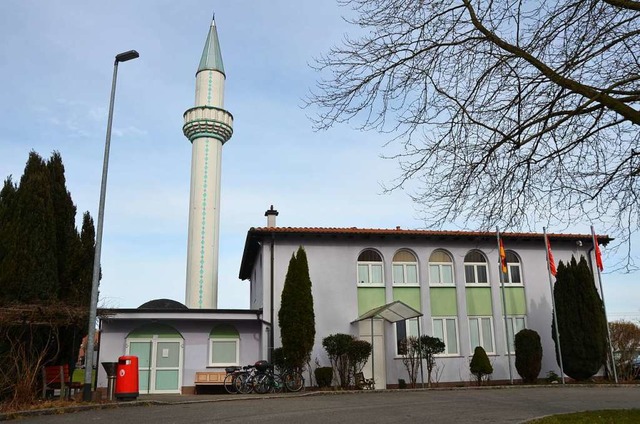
(392, 312)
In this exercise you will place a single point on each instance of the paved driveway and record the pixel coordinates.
(492, 405)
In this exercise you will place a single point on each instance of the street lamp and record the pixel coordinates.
(88, 354)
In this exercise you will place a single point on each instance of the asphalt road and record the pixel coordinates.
(506, 405)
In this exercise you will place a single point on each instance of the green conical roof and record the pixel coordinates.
(211, 55)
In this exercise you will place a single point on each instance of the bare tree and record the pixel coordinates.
(625, 338)
(504, 112)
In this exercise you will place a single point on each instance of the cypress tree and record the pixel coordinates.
(7, 229)
(80, 291)
(31, 257)
(296, 315)
(67, 240)
(581, 320)
(528, 355)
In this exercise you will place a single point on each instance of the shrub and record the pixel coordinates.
(347, 355)
(582, 324)
(480, 366)
(324, 376)
(528, 355)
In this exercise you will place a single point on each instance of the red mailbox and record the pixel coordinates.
(127, 378)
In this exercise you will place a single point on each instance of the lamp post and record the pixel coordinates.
(88, 354)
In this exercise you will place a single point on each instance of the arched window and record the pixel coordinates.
(514, 272)
(370, 268)
(224, 346)
(440, 268)
(475, 268)
(405, 268)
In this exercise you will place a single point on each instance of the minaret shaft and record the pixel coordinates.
(208, 126)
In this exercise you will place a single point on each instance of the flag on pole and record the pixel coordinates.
(503, 257)
(598, 254)
(552, 263)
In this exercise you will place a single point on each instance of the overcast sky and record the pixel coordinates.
(56, 64)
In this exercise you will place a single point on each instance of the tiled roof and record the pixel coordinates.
(414, 232)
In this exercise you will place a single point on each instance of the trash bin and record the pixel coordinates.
(111, 369)
(127, 378)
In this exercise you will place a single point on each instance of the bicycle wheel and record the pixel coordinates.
(293, 381)
(277, 385)
(261, 384)
(242, 384)
(229, 383)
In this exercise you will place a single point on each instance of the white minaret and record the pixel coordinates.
(208, 126)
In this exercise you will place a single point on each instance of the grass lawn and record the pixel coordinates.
(610, 416)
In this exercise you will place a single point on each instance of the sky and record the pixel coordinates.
(56, 64)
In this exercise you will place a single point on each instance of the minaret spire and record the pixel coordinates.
(208, 126)
(211, 56)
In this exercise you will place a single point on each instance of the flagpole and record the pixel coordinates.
(504, 304)
(596, 251)
(553, 303)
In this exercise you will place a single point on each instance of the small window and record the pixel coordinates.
(224, 352)
(370, 268)
(224, 346)
(475, 268)
(440, 268)
(446, 329)
(481, 333)
(405, 269)
(514, 274)
(405, 329)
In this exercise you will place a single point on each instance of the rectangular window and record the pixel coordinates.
(441, 274)
(514, 274)
(412, 274)
(398, 274)
(482, 274)
(469, 274)
(223, 352)
(476, 274)
(376, 274)
(514, 325)
(481, 333)
(405, 329)
(434, 274)
(363, 274)
(446, 330)
(447, 274)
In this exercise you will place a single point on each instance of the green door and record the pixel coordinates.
(167, 366)
(143, 350)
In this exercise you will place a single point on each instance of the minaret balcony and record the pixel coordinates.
(208, 121)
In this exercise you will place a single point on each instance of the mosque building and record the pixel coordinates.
(380, 285)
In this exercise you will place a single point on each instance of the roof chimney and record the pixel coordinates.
(271, 217)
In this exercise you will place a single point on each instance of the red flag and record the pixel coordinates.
(552, 263)
(598, 254)
(503, 258)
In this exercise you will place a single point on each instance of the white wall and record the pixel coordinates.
(333, 272)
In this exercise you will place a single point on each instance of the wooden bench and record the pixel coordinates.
(58, 377)
(209, 378)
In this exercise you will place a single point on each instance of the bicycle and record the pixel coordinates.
(230, 379)
(293, 380)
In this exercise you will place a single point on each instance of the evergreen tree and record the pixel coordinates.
(528, 355)
(480, 365)
(80, 290)
(581, 320)
(31, 259)
(67, 240)
(296, 315)
(7, 227)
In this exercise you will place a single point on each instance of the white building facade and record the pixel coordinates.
(452, 278)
